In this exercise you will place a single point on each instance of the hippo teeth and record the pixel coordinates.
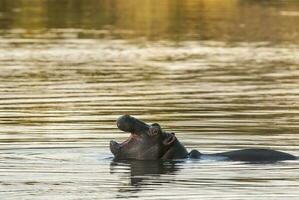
(127, 140)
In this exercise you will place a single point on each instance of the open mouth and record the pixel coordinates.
(129, 125)
(115, 146)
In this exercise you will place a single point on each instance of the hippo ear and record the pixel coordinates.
(155, 129)
(169, 140)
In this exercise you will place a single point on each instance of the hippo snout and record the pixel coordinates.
(130, 124)
(125, 123)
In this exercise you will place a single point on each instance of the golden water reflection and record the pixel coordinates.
(228, 20)
(221, 74)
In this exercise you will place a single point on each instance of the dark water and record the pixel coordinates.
(221, 74)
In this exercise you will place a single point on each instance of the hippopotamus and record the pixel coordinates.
(151, 142)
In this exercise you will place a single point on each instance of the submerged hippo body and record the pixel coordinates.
(150, 142)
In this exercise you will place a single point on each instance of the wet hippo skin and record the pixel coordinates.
(151, 142)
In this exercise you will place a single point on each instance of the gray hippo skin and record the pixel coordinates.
(150, 142)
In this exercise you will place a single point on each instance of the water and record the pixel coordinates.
(222, 75)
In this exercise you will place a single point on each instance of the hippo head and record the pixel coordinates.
(146, 142)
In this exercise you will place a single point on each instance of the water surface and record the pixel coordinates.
(222, 75)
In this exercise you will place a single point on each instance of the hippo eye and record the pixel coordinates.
(154, 130)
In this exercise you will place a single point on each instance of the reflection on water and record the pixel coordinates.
(221, 74)
(142, 171)
(205, 179)
(228, 20)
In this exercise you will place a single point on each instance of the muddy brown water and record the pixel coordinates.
(222, 75)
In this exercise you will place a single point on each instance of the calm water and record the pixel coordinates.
(221, 74)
